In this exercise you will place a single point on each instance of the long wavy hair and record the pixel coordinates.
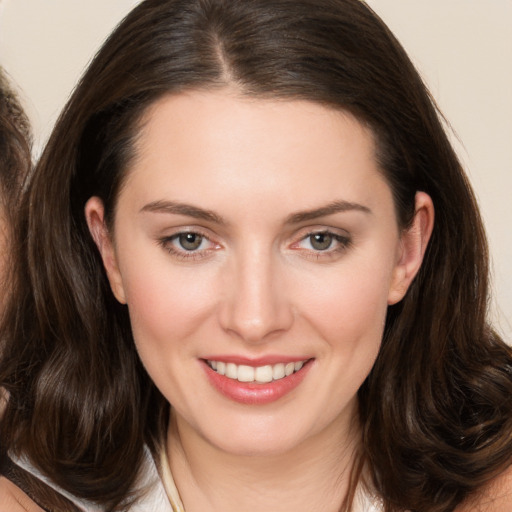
(436, 410)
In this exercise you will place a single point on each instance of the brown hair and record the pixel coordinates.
(436, 410)
(14, 146)
(14, 167)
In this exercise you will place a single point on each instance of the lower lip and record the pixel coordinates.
(253, 393)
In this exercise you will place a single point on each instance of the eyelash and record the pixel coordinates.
(342, 243)
(184, 254)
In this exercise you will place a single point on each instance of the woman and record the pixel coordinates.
(231, 290)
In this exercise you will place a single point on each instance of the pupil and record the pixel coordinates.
(321, 241)
(190, 241)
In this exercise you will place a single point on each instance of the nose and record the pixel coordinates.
(255, 306)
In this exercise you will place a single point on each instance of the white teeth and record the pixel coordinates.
(231, 371)
(245, 373)
(261, 374)
(278, 371)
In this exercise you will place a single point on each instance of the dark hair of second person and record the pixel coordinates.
(14, 161)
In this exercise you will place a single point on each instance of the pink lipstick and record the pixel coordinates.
(255, 382)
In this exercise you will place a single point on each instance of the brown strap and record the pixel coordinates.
(41, 493)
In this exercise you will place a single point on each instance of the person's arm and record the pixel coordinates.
(13, 499)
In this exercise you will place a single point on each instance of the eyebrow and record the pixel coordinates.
(189, 210)
(183, 209)
(329, 209)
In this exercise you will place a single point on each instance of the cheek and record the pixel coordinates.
(348, 312)
(165, 312)
(351, 304)
(167, 304)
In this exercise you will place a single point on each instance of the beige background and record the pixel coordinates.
(463, 48)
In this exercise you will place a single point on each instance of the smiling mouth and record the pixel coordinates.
(259, 374)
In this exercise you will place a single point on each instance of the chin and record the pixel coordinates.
(253, 438)
(258, 447)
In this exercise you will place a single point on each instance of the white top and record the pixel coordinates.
(155, 499)
(165, 497)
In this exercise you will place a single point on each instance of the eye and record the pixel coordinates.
(188, 245)
(325, 243)
(321, 241)
(189, 241)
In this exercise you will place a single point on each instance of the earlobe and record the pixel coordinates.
(94, 214)
(413, 244)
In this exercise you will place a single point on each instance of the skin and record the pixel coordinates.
(258, 287)
(14, 499)
(494, 497)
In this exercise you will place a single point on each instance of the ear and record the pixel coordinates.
(94, 214)
(413, 244)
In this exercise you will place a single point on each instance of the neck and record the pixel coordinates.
(314, 476)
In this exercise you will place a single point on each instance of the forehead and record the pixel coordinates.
(228, 107)
(212, 144)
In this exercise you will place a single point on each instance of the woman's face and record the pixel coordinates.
(256, 245)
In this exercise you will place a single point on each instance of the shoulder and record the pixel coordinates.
(13, 499)
(494, 497)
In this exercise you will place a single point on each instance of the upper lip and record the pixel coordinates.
(257, 361)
